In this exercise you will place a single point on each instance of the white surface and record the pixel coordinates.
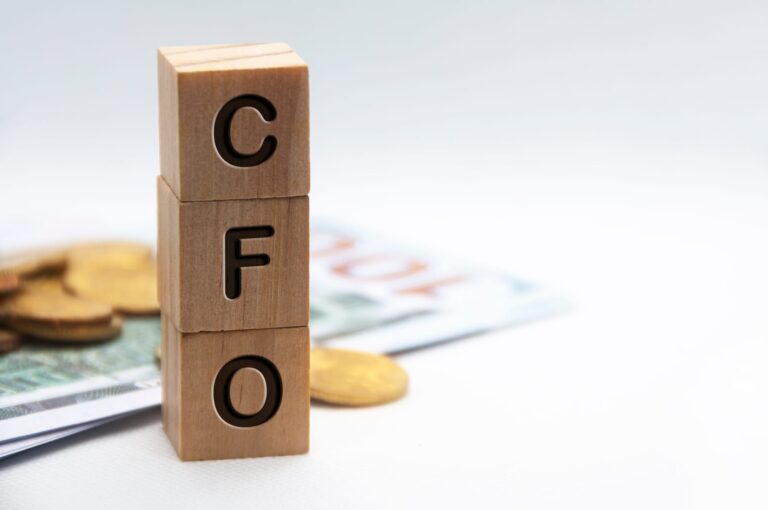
(616, 151)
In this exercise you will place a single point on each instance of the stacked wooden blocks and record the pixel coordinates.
(233, 249)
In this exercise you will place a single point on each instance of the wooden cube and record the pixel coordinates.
(234, 121)
(233, 264)
(236, 393)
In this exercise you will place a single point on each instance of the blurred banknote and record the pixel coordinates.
(366, 293)
(373, 294)
(46, 387)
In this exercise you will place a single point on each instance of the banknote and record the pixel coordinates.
(375, 294)
(47, 387)
(25, 443)
(367, 293)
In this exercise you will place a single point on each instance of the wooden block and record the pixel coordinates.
(234, 121)
(233, 264)
(236, 393)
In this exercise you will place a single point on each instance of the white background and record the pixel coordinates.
(614, 150)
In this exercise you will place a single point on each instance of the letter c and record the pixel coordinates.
(221, 131)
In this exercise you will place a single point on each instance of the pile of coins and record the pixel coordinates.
(75, 294)
(82, 294)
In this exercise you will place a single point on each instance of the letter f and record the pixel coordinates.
(235, 261)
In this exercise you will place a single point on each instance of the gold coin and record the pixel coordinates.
(44, 284)
(9, 283)
(68, 332)
(127, 255)
(33, 262)
(44, 300)
(122, 274)
(9, 341)
(131, 291)
(353, 378)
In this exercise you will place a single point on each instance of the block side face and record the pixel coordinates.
(168, 110)
(295, 244)
(212, 171)
(205, 435)
(170, 371)
(168, 260)
(274, 295)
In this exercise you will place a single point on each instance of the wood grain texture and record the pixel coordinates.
(191, 263)
(191, 363)
(248, 391)
(195, 82)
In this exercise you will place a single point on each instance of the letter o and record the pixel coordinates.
(274, 390)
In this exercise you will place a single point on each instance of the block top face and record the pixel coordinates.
(229, 57)
(234, 121)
